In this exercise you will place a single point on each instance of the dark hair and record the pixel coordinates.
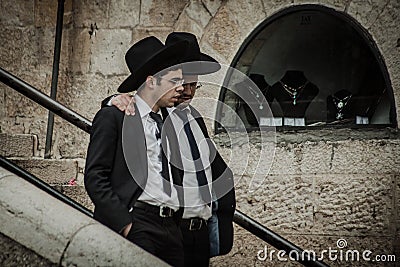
(162, 73)
(166, 71)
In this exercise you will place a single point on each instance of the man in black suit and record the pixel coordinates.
(207, 229)
(126, 168)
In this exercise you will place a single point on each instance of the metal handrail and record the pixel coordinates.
(45, 101)
(35, 95)
(262, 232)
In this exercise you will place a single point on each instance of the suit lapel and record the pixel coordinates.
(134, 147)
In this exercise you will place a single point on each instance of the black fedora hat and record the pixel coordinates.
(147, 57)
(202, 63)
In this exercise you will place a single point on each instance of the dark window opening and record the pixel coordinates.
(315, 67)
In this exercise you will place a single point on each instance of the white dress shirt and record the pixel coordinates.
(194, 205)
(153, 192)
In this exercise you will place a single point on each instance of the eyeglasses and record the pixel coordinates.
(194, 85)
(175, 81)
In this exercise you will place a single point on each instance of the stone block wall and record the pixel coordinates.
(318, 192)
(322, 185)
(96, 35)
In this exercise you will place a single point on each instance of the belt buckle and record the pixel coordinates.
(192, 225)
(165, 212)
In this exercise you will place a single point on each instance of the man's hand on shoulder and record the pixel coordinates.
(124, 102)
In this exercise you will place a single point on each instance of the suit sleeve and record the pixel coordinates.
(99, 164)
(104, 103)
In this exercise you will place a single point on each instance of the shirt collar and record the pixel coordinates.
(187, 109)
(143, 108)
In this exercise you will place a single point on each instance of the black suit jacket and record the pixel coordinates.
(112, 184)
(108, 181)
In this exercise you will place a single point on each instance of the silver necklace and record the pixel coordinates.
(257, 96)
(340, 104)
(293, 92)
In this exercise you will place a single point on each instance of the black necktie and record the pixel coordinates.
(164, 171)
(194, 149)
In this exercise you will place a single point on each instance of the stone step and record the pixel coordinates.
(77, 193)
(18, 145)
(59, 173)
(53, 171)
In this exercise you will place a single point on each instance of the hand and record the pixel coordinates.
(124, 102)
(126, 230)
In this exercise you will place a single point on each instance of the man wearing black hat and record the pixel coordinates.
(207, 229)
(127, 175)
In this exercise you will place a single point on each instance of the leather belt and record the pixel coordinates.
(193, 224)
(162, 211)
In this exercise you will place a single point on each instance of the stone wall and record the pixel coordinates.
(319, 191)
(96, 35)
(322, 186)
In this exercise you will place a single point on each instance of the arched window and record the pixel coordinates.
(315, 67)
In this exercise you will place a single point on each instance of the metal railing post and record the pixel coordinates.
(54, 78)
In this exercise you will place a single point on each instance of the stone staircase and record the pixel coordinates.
(39, 230)
(65, 175)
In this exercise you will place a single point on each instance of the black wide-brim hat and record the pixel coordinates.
(198, 62)
(148, 57)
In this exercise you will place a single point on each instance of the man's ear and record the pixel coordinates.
(150, 81)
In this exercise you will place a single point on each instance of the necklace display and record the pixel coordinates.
(340, 104)
(293, 92)
(257, 96)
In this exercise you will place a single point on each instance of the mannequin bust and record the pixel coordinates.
(255, 102)
(294, 93)
(340, 106)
